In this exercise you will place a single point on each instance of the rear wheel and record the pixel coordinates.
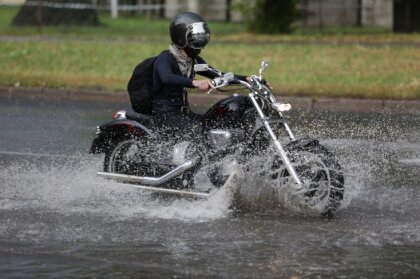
(126, 158)
(135, 157)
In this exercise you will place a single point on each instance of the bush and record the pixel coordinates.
(269, 16)
(45, 13)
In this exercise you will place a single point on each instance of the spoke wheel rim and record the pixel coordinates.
(315, 176)
(125, 158)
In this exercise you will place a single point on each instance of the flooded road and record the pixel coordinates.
(57, 219)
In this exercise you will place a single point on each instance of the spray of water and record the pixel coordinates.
(72, 186)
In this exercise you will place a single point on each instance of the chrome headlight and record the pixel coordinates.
(280, 107)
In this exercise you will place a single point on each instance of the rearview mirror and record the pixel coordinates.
(201, 67)
(264, 65)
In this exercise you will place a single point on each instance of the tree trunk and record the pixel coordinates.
(227, 11)
(56, 12)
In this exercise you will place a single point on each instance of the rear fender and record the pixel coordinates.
(111, 133)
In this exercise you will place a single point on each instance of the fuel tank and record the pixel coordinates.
(227, 113)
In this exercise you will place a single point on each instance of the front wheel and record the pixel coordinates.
(322, 180)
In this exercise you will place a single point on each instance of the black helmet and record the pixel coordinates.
(189, 30)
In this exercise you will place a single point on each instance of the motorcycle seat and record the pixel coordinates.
(143, 119)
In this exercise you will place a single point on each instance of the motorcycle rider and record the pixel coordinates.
(174, 74)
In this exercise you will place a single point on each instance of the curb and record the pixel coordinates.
(53, 94)
(302, 103)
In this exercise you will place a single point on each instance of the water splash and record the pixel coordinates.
(368, 153)
(73, 187)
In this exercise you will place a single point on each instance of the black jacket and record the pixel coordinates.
(169, 84)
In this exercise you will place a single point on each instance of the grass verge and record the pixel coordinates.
(110, 53)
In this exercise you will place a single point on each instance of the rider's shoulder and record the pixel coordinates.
(164, 53)
(164, 56)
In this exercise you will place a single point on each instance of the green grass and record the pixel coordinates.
(350, 71)
(104, 57)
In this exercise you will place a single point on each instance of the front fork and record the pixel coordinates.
(276, 141)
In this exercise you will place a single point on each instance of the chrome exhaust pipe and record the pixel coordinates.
(153, 181)
(182, 193)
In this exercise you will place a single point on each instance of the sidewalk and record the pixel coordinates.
(303, 103)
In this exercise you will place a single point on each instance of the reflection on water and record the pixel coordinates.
(58, 219)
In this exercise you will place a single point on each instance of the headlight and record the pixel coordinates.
(281, 107)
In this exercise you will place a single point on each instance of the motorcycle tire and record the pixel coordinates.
(317, 166)
(121, 158)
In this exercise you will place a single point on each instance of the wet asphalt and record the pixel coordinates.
(57, 219)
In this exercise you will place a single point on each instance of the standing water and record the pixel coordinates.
(57, 219)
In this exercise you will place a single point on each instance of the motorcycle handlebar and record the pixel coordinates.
(217, 82)
(230, 78)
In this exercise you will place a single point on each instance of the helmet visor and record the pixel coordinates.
(198, 35)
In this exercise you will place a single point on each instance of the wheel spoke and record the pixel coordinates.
(126, 158)
(314, 174)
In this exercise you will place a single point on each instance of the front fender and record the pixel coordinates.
(302, 144)
(111, 133)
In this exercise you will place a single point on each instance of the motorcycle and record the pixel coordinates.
(236, 131)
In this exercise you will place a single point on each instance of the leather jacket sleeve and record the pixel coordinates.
(164, 69)
(212, 75)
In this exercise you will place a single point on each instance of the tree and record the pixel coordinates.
(269, 16)
(56, 12)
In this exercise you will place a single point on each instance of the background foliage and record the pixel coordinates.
(268, 16)
(358, 62)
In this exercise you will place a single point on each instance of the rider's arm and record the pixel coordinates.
(211, 75)
(163, 67)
